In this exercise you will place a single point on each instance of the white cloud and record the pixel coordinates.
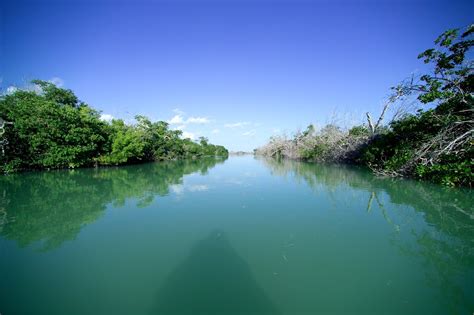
(176, 120)
(178, 111)
(249, 133)
(106, 117)
(11, 89)
(181, 127)
(57, 81)
(276, 130)
(189, 135)
(237, 124)
(215, 131)
(198, 120)
(35, 88)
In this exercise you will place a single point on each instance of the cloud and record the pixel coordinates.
(198, 120)
(198, 188)
(176, 120)
(215, 131)
(11, 89)
(57, 81)
(31, 87)
(106, 117)
(276, 130)
(178, 111)
(189, 135)
(180, 122)
(177, 189)
(237, 124)
(34, 88)
(249, 133)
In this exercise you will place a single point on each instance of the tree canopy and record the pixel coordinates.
(54, 129)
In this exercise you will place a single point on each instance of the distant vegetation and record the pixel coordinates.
(240, 153)
(50, 128)
(434, 143)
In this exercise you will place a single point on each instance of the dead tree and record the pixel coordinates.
(398, 94)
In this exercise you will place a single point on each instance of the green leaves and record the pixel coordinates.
(451, 172)
(450, 70)
(447, 37)
(53, 129)
(427, 54)
(58, 95)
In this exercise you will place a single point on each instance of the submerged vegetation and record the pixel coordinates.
(51, 128)
(434, 143)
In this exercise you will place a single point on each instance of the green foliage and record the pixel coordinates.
(451, 171)
(359, 131)
(434, 144)
(127, 145)
(53, 129)
(314, 153)
(450, 71)
(47, 134)
(393, 150)
(310, 130)
(420, 145)
(55, 94)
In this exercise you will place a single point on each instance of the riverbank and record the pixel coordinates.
(50, 128)
(434, 142)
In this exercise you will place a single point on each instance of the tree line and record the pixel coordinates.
(434, 143)
(50, 128)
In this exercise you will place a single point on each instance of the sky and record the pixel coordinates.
(237, 72)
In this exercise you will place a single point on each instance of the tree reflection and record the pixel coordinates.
(444, 242)
(52, 207)
(213, 279)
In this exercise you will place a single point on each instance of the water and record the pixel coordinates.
(241, 236)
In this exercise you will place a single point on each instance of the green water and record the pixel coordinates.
(240, 236)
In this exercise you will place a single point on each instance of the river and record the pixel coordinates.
(238, 236)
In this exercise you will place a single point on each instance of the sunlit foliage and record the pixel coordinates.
(51, 128)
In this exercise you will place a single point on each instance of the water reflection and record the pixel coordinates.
(52, 207)
(213, 279)
(444, 241)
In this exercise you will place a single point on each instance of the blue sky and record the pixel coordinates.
(236, 72)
